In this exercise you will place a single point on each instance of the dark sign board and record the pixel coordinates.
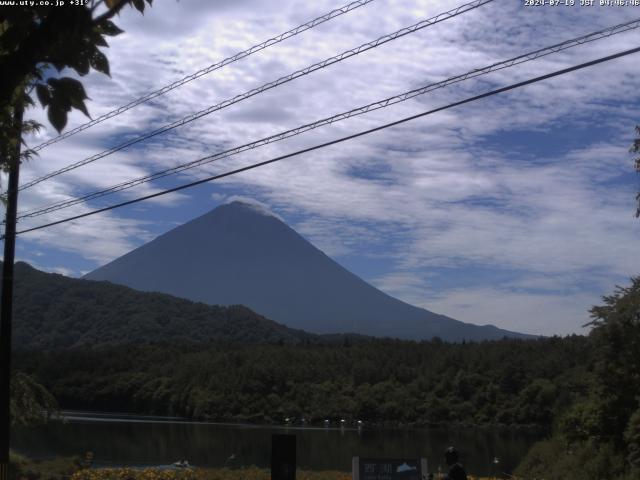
(389, 469)
(283, 457)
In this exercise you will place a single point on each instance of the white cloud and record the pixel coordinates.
(523, 312)
(254, 204)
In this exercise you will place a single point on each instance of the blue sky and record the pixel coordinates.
(515, 210)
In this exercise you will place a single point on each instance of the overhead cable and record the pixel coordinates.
(608, 32)
(267, 86)
(339, 140)
(216, 66)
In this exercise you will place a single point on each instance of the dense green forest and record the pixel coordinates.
(55, 312)
(381, 381)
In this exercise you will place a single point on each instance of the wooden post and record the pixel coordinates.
(283, 457)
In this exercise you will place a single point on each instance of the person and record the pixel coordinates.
(456, 470)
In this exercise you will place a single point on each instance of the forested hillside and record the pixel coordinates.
(382, 381)
(53, 312)
(599, 436)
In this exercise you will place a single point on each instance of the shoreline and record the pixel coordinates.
(83, 416)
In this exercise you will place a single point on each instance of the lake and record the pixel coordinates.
(145, 441)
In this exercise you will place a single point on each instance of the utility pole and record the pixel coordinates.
(6, 302)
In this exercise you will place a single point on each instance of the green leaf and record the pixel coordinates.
(79, 105)
(28, 101)
(31, 126)
(99, 40)
(109, 28)
(44, 95)
(72, 87)
(82, 64)
(66, 93)
(139, 5)
(99, 62)
(57, 116)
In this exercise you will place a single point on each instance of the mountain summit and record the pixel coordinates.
(239, 253)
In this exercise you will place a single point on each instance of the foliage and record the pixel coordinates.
(52, 312)
(35, 39)
(22, 468)
(616, 333)
(378, 381)
(555, 459)
(30, 404)
(599, 436)
(12, 131)
(249, 473)
(135, 358)
(230, 364)
(632, 438)
(137, 474)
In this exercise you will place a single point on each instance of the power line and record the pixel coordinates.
(610, 31)
(216, 66)
(267, 86)
(339, 140)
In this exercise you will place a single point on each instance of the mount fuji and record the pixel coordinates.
(239, 253)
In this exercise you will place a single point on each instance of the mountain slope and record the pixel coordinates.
(54, 312)
(238, 254)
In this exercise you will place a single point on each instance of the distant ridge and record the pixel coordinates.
(54, 312)
(241, 254)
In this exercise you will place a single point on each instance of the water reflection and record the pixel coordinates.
(142, 441)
